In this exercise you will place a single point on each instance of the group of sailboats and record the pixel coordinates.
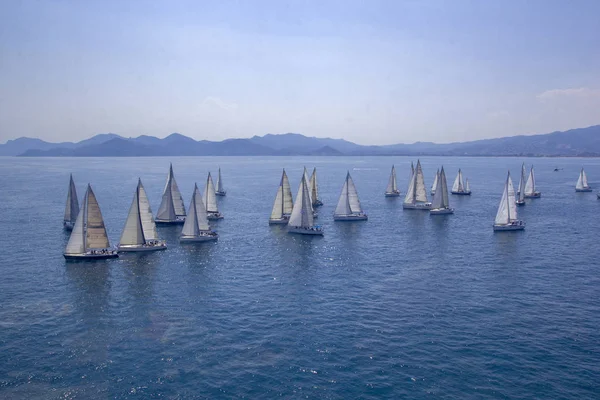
(88, 238)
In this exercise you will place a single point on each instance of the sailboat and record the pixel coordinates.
(302, 221)
(314, 190)
(210, 200)
(435, 182)
(521, 192)
(506, 217)
(196, 227)
(530, 192)
(283, 205)
(220, 189)
(171, 210)
(88, 240)
(72, 206)
(348, 207)
(392, 186)
(459, 186)
(140, 233)
(582, 183)
(416, 195)
(440, 204)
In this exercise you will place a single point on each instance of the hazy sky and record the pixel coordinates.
(368, 71)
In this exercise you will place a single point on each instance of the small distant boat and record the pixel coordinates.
(172, 209)
(530, 190)
(435, 182)
(392, 187)
(283, 205)
(521, 192)
(72, 206)
(459, 187)
(302, 221)
(440, 204)
(582, 183)
(140, 232)
(88, 240)
(210, 200)
(196, 228)
(506, 217)
(314, 190)
(220, 191)
(416, 195)
(348, 207)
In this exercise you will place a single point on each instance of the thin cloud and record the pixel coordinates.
(219, 103)
(568, 93)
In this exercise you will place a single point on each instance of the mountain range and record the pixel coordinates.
(574, 142)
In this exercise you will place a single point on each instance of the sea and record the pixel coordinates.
(404, 305)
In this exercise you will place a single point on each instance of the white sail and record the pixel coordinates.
(288, 200)
(353, 199)
(277, 211)
(502, 216)
(308, 181)
(343, 206)
(133, 233)
(435, 182)
(302, 215)
(392, 187)
(96, 237)
(420, 191)
(196, 220)
(458, 185)
(72, 206)
(220, 187)
(440, 198)
(512, 205)
(171, 205)
(579, 184)
(521, 191)
(530, 185)
(584, 179)
(410, 192)
(76, 244)
(314, 187)
(467, 186)
(148, 224)
(210, 199)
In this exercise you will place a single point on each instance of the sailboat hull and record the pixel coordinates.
(392, 194)
(305, 231)
(213, 216)
(357, 217)
(90, 257)
(178, 221)
(68, 225)
(199, 239)
(520, 203)
(535, 195)
(511, 227)
(589, 189)
(317, 203)
(416, 206)
(142, 248)
(223, 193)
(282, 221)
(462, 193)
(441, 211)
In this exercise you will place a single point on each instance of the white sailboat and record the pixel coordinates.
(283, 205)
(210, 200)
(459, 186)
(582, 183)
(440, 204)
(196, 227)
(530, 192)
(88, 240)
(302, 221)
(314, 190)
(140, 232)
(506, 217)
(521, 192)
(220, 191)
(172, 209)
(348, 207)
(435, 182)
(72, 206)
(392, 187)
(416, 195)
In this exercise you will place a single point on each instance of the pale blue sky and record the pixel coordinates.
(368, 71)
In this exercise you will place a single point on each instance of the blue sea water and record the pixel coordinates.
(405, 305)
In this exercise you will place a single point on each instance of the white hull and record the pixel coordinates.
(198, 239)
(588, 189)
(535, 195)
(392, 194)
(441, 211)
(361, 217)
(142, 248)
(306, 231)
(416, 206)
(179, 220)
(517, 226)
(212, 216)
(223, 193)
(282, 221)
(520, 203)
(90, 256)
(462, 193)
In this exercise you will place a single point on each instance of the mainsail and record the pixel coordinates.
(512, 205)
(392, 187)
(171, 205)
(435, 182)
(314, 188)
(530, 185)
(220, 187)
(420, 191)
(196, 220)
(72, 206)
(503, 214)
(410, 192)
(210, 199)
(302, 215)
(440, 198)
